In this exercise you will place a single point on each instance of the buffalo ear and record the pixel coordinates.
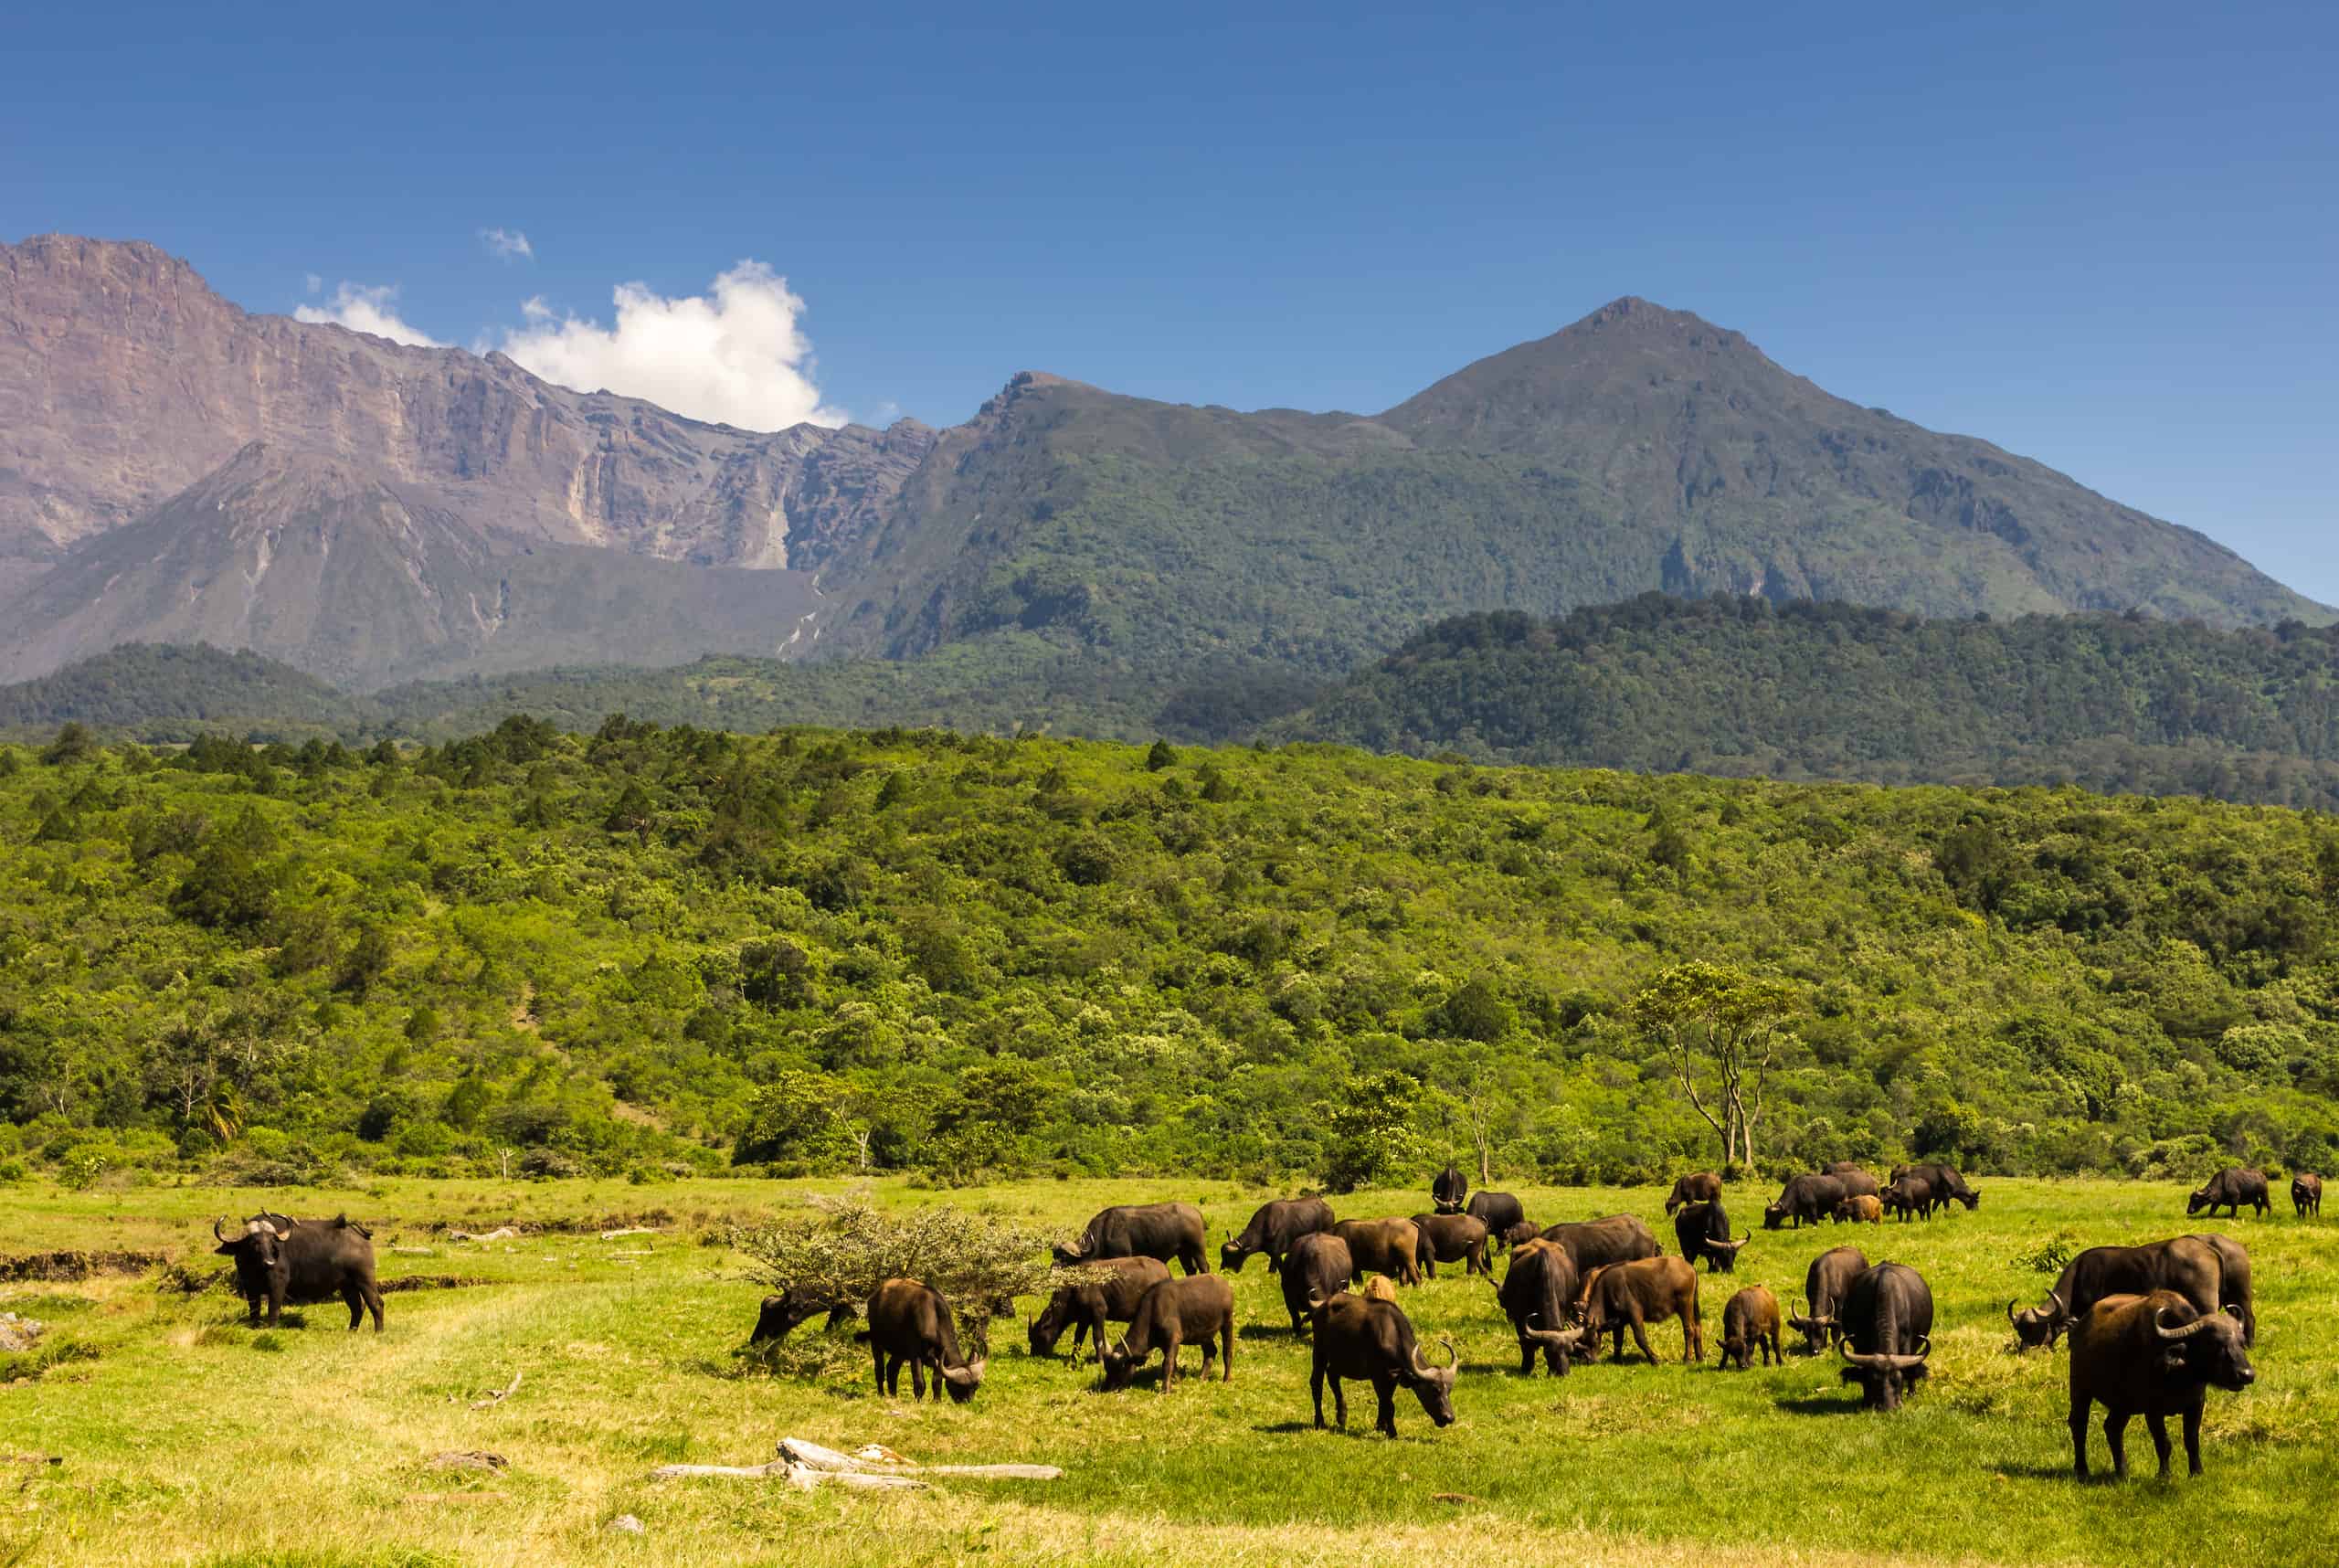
(224, 1249)
(2173, 1361)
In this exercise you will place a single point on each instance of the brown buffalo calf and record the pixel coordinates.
(1862, 1209)
(1750, 1320)
(1633, 1295)
(1200, 1308)
(1390, 1246)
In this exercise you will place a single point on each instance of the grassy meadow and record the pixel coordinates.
(184, 1437)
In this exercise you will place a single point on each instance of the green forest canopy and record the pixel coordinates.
(649, 949)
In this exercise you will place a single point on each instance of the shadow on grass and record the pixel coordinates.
(1822, 1405)
(1279, 1332)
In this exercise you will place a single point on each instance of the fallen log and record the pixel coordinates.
(805, 1464)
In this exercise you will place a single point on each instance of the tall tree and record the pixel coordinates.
(1723, 1028)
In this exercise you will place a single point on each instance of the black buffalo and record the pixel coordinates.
(1887, 1330)
(1596, 1244)
(1165, 1231)
(909, 1321)
(1273, 1228)
(1803, 1199)
(1825, 1284)
(1086, 1308)
(1172, 1313)
(1498, 1212)
(1944, 1181)
(280, 1259)
(2233, 1282)
(1451, 1238)
(1910, 1197)
(1537, 1294)
(1374, 1340)
(1447, 1192)
(1318, 1267)
(1858, 1183)
(2188, 1266)
(782, 1314)
(2231, 1189)
(2153, 1356)
(2306, 1192)
(1703, 1232)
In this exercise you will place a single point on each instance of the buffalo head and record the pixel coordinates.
(2196, 1202)
(962, 1382)
(1434, 1386)
(1884, 1378)
(1773, 1215)
(2208, 1348)
(1816, 1328)
(2036, 1326)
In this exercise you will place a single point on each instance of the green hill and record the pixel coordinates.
(1830, 691)
(648, 947)
(170, 693)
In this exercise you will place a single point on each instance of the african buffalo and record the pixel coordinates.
(1086, 1308)
(909, 1321)
(1390, 1246)
(1595, 1243)
(1859, 1209)
(1633, 1295)
(281, 1259)
(2306, 1192)
(1171, 1313)
(1523, 1232)
(1317, 1265)
(1273, 1228)
(1380, 1287)
(1447, 1192)
(1373, 1341)
(1857, 1181)
(2231, 1190)
(1165, 1231)
(1910, 1197)
(1451, 1238)
(1825, 1284)
(2153, 1356)
(781, 1315)
(1888, 1327)
(1750, 1321)
(1944, 1181)
(2189, 1265)
(1804, 1198)
(1703, 1230)
(1498, 1212)
(1537, 1294)
(1698, 1187)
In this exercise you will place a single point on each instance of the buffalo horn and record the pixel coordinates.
(2187, 1332)
(217, 1233)
(2010, 1312)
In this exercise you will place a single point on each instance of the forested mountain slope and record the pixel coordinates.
(646, 946)
(1803, 691)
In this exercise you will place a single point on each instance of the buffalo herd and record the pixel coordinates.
(2149, 1328)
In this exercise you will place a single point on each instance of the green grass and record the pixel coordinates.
(185, 1440)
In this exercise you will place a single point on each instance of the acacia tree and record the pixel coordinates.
(1722, 1029)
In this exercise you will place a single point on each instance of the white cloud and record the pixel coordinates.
(735, 355)
(507, 244)
(361, 308)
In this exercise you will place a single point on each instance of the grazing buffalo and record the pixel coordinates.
(1910, 1197)
(2306, 1192)
(2231, 1190)
(1887, 1330)
(1634, 1294)
(1165, 1231)
(2233, 1282)
(1374, 1342)
(1857, 1181)
(2189, 1265)
(1944, 1181)
(1804, 1198)
(1859, 1209)
(1703, 1230)
(1750, 1321)
(1498, 1212)
(1086, 1308)
(1537, 1294)
(1825, 1284)
(1451, 1238)
(783, 1314)
(1445, 1193)
(909, 1321)
(1318, 1267)
(1525, 1231)
(1595, 1243)
(281, 1259)
(1390, 1246)
(1380, 1287)
(1171, 1313)
(1272, 1230)
(2153, 1356)
(1698, 1187)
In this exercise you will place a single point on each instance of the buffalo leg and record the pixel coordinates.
(1316, 1387)
(355, 1301)
(2115, 1437)
(2192, 1439)
(877, 1354)
(253, 1302)
(1526, 1356)
(1191, 1260)
(1384, 1391)
(2078, 1440)
(1226, 1361)
(373, 1303)
(1169, 1360)
(275, 1304)
(2157, 1424)
(1640, 1338)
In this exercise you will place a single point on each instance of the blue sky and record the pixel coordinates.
(2106, 236)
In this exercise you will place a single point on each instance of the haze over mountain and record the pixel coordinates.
(413, 511)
